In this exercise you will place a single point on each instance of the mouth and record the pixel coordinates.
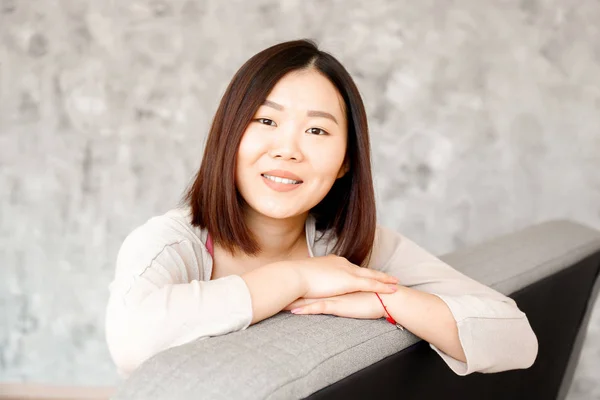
(285, 181)
(279, 184)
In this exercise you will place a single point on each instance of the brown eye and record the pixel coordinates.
(317, 131)
(265, 121)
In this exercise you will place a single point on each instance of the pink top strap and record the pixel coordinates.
(209, 245)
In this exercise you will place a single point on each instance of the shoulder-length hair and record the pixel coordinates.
(348, 210)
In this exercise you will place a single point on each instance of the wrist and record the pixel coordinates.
(385, 300)
(299, 285)
(400, 298)
(389, 303)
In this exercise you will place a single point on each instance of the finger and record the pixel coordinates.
(303, 301)
(319, 307)
(370, 285)
(295, 304)
(374, 274)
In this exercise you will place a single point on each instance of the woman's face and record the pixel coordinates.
(300, 132)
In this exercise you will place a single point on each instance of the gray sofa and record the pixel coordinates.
(550, 269)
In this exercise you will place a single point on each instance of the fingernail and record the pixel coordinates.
(296, 310)
(393, 287)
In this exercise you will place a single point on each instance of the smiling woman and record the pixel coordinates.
(287, 141)
(295, 109)
(281, 216)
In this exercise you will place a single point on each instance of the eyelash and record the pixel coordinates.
(267, 119)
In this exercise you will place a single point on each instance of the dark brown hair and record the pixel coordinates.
(349, 207)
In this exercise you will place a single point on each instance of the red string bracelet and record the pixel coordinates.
(389, 317)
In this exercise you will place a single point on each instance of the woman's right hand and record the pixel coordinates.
(332, 275)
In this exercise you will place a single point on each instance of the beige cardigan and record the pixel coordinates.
(162, 296)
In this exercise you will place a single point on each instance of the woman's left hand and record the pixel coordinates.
(363, 305)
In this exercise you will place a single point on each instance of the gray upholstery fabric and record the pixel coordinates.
(291, 356)
(514, 261)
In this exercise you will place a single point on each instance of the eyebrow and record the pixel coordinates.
(310, 113)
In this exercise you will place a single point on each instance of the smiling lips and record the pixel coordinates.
(281, 181)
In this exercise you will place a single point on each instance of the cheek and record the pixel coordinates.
(250, 149)
(328, 160)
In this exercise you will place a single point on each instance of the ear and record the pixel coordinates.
(344, 168)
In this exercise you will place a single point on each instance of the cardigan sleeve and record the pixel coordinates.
(158, 301)
(495, 335)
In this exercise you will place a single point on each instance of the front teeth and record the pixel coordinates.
(281, 180)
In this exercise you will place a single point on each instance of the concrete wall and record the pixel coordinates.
(484, 116)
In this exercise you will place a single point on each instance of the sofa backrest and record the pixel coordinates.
(549, 269)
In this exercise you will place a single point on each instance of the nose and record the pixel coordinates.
(285, 145)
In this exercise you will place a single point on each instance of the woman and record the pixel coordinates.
(281, 216)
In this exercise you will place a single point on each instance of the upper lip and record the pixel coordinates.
(282, 174)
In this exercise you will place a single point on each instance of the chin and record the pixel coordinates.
(278, 213)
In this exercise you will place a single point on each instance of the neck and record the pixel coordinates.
(277, 238)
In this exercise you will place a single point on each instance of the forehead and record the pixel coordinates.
(308, 90)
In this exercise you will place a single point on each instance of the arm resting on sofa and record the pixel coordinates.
(549, 270)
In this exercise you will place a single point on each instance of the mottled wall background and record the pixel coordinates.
(484, 116)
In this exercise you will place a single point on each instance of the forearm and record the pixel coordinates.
(426, 316)
(272, 287)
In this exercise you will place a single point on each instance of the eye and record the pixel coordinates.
(265, 121)
(317, 130)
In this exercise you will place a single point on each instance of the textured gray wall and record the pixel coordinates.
(484, 116)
